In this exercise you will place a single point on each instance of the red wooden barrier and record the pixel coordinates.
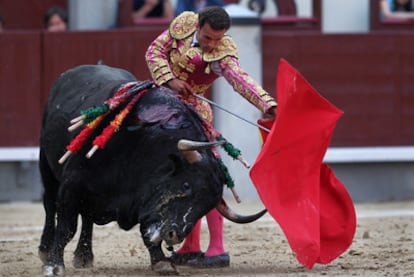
(20, 87)
(370, 77)
(119, 48)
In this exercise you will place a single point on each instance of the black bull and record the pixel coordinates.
(139, 177)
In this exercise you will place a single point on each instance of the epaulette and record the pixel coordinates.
(184, 25)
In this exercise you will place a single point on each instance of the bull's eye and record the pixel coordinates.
(187, 188)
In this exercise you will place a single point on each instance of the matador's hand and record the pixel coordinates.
(270, 114)
(180, 86)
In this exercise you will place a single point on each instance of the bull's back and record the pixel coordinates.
(75, 90)
(85, 86)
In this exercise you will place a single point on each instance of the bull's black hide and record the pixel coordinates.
(139, 177)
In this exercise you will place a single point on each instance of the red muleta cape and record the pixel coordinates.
(310, 204)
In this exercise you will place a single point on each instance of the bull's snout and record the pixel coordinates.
(171, 237)
(172, 234)
(158, 234)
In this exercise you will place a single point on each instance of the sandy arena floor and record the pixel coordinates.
(383, 246)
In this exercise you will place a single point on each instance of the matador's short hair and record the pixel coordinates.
(215, 16)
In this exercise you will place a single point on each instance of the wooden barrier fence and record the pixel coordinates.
(369, 76)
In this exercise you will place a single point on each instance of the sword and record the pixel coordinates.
(233, 114)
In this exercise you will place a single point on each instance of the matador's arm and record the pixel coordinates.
(157, 58)
(245, 85)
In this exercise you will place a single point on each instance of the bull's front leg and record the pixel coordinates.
(159, 263)
(83, 254)
(65, 230)
(51, 186)
(48, 235)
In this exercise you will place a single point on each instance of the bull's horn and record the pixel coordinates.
(232, 216)
(185, 144)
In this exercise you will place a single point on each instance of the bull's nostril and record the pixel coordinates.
(172, 235)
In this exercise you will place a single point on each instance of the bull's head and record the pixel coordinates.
(171, 234)
(190, 151)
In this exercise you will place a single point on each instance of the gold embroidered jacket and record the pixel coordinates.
(170, 56)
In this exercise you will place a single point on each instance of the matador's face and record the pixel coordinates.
(208, 38)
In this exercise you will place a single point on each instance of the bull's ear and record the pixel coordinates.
(192, 156)
(176, 164)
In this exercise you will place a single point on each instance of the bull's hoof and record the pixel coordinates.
(82, 262)
(43, 256)
(53, 270)
(165, 268)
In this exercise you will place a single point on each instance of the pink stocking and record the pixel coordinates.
(215, 228)
(192, 241)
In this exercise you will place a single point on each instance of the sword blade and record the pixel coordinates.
(230, 112)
